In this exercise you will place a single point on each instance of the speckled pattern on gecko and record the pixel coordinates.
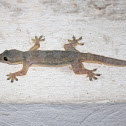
(56, 58)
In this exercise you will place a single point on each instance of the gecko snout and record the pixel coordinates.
(0, 57)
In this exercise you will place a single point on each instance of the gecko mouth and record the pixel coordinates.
(5, 60)
(13, 63)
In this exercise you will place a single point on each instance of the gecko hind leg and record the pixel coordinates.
(78, 68)
(72, 44)
(37, 42)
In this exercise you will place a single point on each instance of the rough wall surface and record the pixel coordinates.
(102, 24)
(63, 115)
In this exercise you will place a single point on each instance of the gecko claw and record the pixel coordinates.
(79, 38)
(12, 77)
(75, 41)
(92, 75)
(74, 37)
(95, 78)
(94, 69)
(98, 74)
(90, 79)
(38, 39)
(81, 44)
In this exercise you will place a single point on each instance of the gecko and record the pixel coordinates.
(71, 56)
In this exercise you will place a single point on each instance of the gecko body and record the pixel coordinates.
(56, 58)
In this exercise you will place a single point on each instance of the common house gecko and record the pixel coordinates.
(56, 58)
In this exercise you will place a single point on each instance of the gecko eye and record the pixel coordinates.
(5, 58)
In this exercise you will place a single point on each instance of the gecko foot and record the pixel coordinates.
(12, 77)
(75, 41)
(37, 40)
(92, 75)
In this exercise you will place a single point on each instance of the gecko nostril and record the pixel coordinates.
(5, 58)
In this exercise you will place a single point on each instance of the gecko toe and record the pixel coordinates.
(12, 81)
(36, 37)
(95, 78)
(81, 44)
(98, 74)
(8, 78)
(33, 40)
(8, 75)
(94, 70)
(43, 39)
(74, 37)
(40, 36)
(16, 79)
(70, 41)
(80, 38)
(90, 78)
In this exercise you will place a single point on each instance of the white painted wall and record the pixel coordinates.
(103, 27)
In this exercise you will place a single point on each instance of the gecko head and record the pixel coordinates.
(11, 56)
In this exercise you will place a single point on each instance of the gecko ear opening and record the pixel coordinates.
(5, 58)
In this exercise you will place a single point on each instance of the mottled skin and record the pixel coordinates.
(56, 58)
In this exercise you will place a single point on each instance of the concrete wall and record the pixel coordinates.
(63, 115)
(102, 24)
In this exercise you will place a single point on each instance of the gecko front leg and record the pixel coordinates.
(12, 76)
(37, 42)
(72, 44)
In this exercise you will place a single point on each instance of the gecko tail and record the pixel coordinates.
(92, 58)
